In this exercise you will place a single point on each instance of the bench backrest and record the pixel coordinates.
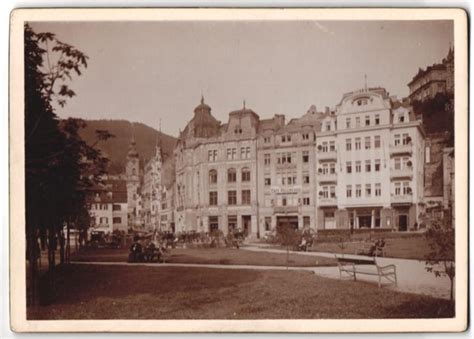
(356, 261)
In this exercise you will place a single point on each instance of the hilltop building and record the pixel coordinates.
(437, 78)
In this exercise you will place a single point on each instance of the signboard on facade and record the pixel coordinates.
(286, 190)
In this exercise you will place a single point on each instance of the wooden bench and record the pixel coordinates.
(353, 266)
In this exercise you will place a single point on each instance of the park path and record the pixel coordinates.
(411, 274)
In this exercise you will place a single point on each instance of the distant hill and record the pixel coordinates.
(116, 148)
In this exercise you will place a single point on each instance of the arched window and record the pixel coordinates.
(245, 174)
(231, 175)
(213, 176)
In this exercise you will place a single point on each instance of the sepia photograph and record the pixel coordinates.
(240, 166)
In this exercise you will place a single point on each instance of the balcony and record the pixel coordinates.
(325, 156)
(327, 202)
(401, 173)
(327, 177)
(401, 149)
(402, 199)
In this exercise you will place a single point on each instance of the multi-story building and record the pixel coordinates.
(437, 78)
(108, 206)
(167, 208)
(151, 191)
(358, 166)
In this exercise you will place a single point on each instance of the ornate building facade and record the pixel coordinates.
(358, 166)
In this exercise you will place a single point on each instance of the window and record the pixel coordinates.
(401, 117)
(357, 122)
(398, 163)
(266, 140)
(367, 166)
(246, 197)
(358, 191)
(328, 126)
(332, 168)
(306, 201)
(406, 138)
(117, 220)
(378, 190)
(116, 207)
(324, 146)
(348, 144)
(245, 174)
(348, 122)
(367, 143)
(305, 179)
(377, 165)
(377, 119)
(213, 176)
(358, 166)
(397, 140)
(268, 181)
(349, 167)
(212, 155)
(305, 136)
(305, 156)
(306, 221)
(367, 120)
(283, 201)
(406, 188)
(285, 138)
(231, 153)
(398, 188)
(368, 190)
(231, 175)
(284, 158)
(266, 159)
(268, 223)
(213, 198)
(325, 192)
(377, 141)
(232, 197)
(332, 191)
(332, 146)
(104, 220)
(357, 143)
(349, 191)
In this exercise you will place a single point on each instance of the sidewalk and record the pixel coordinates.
(411, 274)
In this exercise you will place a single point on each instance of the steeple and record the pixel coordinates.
(132, 149)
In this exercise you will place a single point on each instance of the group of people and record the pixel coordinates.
(151, 251)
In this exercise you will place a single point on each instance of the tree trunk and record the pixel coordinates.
(61, 247)
(33, 268)
(68, 243)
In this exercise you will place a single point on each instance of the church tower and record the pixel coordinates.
(132, 172)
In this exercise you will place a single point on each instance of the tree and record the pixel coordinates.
(59, 165)
(287, 236)
(440, 260)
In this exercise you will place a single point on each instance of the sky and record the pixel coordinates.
(147, 71)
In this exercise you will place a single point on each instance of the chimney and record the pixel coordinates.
(327, 110)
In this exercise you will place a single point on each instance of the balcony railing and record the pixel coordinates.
(327, 201)
(401, 173)
(331, 155)
(402, 199)
(327, 177)
(401, 149)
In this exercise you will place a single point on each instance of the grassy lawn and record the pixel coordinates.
(140, 292)
(404, 248)
(221, 256)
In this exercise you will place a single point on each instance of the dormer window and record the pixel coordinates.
(328, 126)
(286, 138)
(266, 140)
(305, 136)
(238, 130)
(401, 117)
